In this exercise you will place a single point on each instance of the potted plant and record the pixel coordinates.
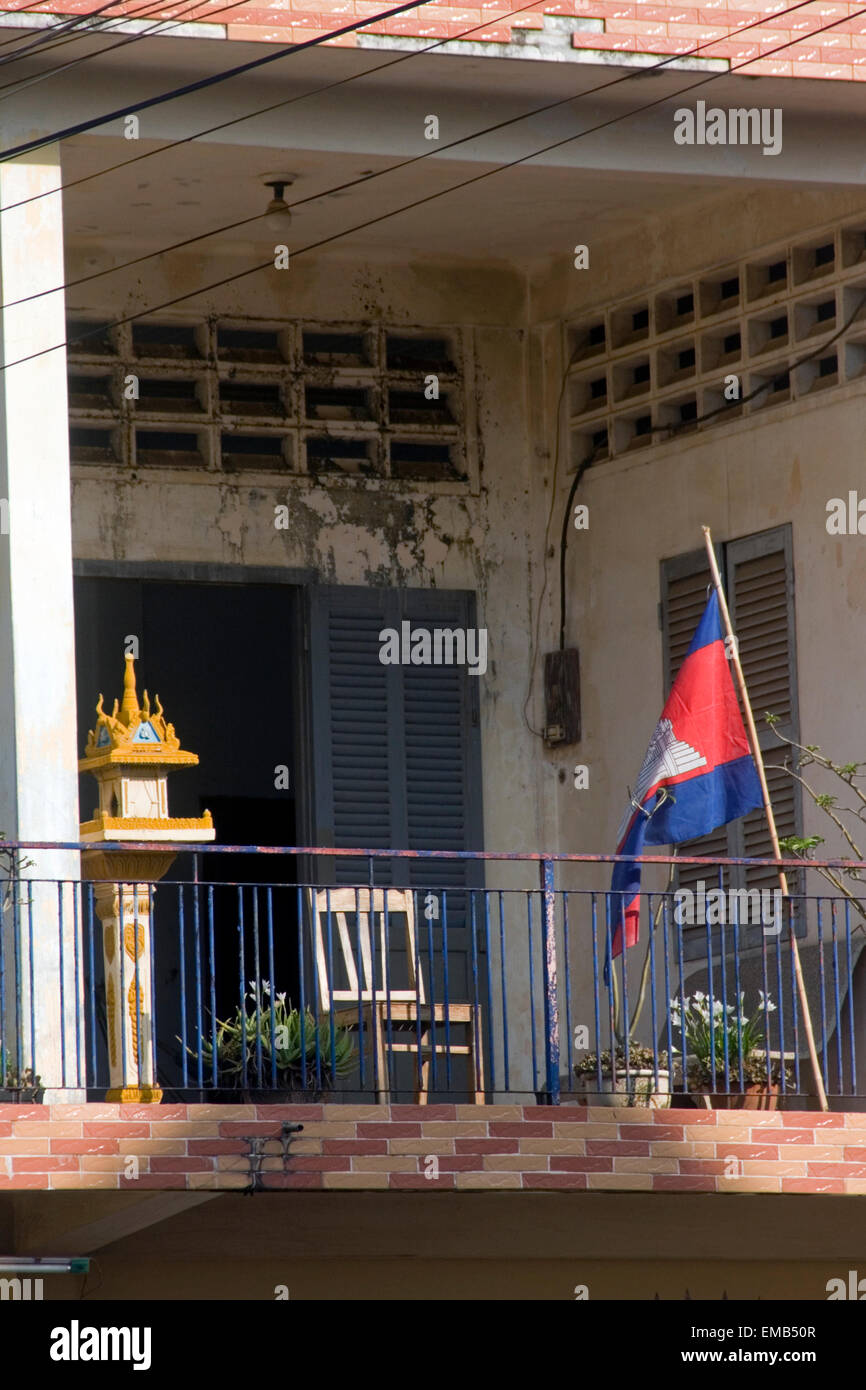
(644, 1082)
(632, 1074)
(705, 1026)
(21, 1087)
(299, 1046)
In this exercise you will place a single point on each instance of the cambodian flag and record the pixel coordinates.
(698, 772)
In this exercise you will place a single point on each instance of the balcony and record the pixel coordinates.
(448, 991)
(283, 1034)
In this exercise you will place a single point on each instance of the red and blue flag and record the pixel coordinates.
(698, 772)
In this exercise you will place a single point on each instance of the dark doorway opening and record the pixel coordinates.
(267, 910)
(226, 662)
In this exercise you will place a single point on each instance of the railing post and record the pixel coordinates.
(551, 1006)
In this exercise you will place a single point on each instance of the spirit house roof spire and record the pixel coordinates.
(133, 734)
(129, 710)
(130, 753)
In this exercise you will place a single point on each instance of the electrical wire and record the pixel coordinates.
(158, 30)
(536, 631)
(402, 164)
(274, 106)
(51, 33)
(386, 216)
(674, 429)
(404, 57)
(203, 83)
(56, 37)
(586, 463)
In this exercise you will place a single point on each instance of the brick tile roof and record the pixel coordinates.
(640, 28)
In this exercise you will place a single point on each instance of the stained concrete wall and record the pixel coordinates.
(744, 478)
(780, 466)
(384, 534)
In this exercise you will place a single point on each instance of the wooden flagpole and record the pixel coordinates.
(768, 809)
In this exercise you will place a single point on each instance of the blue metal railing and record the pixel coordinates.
(513, 999)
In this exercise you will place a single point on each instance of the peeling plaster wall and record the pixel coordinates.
(375, 533)
(741, 478)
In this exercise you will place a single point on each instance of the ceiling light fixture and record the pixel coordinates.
(277, 214)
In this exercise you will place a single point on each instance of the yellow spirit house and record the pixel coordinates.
(513, 340)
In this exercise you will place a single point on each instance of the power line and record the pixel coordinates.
(82, 28)
(352, 183)
(78, 21)
(274, 106)
(409, 207)
(202, 83)
(405, 164)
(673, 431)
(418, 202)
(158, 30)
(404, 57)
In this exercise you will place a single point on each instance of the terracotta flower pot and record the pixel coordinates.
(756, 1096)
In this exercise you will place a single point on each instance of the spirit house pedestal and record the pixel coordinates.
(130, 753)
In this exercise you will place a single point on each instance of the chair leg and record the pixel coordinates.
(383, 1088)
(476, 1055)
(422, 1090)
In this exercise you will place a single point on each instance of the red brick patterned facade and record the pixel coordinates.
(430, 1148)
(660, 29)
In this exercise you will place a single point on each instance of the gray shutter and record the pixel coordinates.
(397, 758)
(440, 709)
(396, 748)
(760, 582)
(685, 581)
(760, 589)
(355, 716)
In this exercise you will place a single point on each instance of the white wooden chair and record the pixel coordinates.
(399, 1019)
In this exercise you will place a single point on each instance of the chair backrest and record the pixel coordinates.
(351, 910)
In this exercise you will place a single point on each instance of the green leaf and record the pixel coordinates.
(797, 844)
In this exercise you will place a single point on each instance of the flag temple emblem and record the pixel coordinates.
(698, 772)
(666, 756)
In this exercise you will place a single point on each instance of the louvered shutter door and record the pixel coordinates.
(761, 589)
(355, 720)
(760, 612)
(684, 598)
(440, 718)
(361, 744)
(397, 753)
(759, 584)
(686, 601)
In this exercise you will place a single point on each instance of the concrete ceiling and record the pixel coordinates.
(521, 214)
(598, 186)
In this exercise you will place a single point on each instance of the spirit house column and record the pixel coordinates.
(38, 776)
(130, 753)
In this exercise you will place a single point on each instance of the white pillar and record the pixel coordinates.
(38, 738)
